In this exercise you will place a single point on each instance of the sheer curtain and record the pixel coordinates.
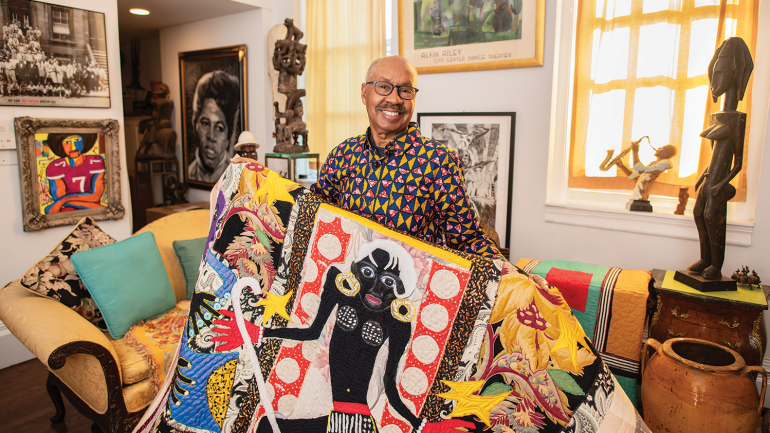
(641, 70)
(344, 37)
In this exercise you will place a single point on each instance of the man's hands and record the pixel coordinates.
(240, 159)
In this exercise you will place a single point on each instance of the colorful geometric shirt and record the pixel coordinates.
(417, 188)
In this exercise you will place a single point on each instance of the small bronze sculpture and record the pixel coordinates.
(742, 276)
(645, 175)
(289, 61)
(159, 140)
(684, 194)
(174, 191)
(729, 73)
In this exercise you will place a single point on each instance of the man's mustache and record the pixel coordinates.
(391, 107)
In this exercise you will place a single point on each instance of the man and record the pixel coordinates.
(393, 175)
(646, 174)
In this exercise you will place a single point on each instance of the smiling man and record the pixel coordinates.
(394, 175)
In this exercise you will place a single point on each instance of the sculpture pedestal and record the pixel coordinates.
(639, 206)
(696, 281)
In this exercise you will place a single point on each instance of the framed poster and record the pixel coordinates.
(471, 35)
(214, 110)
(484, 142)
(53, 56)
(68, 169)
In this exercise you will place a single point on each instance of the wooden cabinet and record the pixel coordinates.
(732, 319)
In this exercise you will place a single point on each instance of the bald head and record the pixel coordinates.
(389, 114)
(396, 61)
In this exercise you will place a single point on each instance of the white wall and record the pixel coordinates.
(248, 28)
(20, 249)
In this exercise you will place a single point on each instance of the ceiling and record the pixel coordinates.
(169, 13)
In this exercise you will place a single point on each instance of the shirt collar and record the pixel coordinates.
(399, 144)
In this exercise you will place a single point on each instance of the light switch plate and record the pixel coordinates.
(7, 137)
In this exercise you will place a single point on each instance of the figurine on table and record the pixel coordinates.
(729, 73)
(646, 174)
(159, 140)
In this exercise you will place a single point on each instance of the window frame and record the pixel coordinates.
(606, 209)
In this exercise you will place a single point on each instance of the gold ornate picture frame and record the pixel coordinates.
(450, 36)
(68, 169)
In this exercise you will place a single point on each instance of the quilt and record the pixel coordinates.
(308, 318)
(610, 303)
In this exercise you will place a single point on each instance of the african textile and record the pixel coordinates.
(610, 304)
(157, 339)
(417, 188)
(537, 355)
(55, 276)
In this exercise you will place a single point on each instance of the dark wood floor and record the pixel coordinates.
(26, 407)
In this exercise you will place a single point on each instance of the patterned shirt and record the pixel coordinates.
(417, 188)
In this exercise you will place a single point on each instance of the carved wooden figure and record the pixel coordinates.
(289, 61)
(729, 73)
(159, 140)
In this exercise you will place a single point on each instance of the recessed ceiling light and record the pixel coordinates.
(139, 11)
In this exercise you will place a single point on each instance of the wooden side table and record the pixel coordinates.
(732, 319)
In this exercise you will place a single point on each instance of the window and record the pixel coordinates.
(632, 93)
(61, 22)
(641, 69)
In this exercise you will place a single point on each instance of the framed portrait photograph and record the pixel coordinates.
(214, 110)
(470, 35)
(68, 169)
(485, 144)
(53, 56)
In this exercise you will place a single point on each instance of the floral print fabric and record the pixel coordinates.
(56, 278)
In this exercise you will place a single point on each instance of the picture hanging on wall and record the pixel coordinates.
(471, 35)
(214, 110)
(68, 169)
(485, 144)
(53, 56)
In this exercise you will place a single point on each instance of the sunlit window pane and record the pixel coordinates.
(731, 26)
(653, 108)
(614, 8)
(703, 37)
(651, 6)
(600, 5)
(699, 3)
(605, 130)
(611, 61)
(694, 112)
(658, 48)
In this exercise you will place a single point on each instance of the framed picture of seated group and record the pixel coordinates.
(471, 35)
(485, 144)
(68, 169)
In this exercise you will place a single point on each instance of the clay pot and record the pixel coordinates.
(697, 386)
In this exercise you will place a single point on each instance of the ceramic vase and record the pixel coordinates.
(691, 385)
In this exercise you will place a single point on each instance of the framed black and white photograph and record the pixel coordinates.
(214, 110)
(485, 144)
(53, 56)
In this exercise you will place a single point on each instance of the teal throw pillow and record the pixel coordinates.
(190, 253)
(127, 280)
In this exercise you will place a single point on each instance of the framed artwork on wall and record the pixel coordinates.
(485, 144)
(68, 169)
(53, 56)
(214, 110)
(467, 35)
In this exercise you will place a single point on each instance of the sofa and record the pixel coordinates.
(107, 380)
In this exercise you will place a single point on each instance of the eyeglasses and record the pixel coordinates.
(385, 89)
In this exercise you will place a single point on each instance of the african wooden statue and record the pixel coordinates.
(159, 140)
(289, 61)
(729, 73)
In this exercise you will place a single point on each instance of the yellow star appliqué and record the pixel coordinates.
(569, 337)
(275, 304)
(276, 188)
(469, 404)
